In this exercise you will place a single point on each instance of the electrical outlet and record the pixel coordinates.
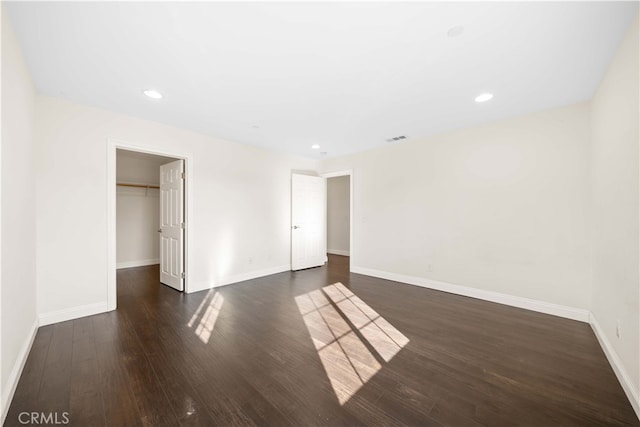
(618, 333)
(250, 260)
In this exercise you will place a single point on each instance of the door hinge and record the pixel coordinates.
(182, 225)
(182, 175)
(183, 275)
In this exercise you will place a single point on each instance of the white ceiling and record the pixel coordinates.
(346, 76)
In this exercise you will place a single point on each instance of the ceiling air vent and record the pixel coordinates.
(396, 138)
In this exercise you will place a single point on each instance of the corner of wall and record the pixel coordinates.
(16, 371)
(616, 363)
(18, 210)
(615, 204)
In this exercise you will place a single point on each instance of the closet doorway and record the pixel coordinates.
(139, 179)
(339, 216)
(138, 208)
(150, 219)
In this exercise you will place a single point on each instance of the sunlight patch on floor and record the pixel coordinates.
(347, 360)
(206, 315)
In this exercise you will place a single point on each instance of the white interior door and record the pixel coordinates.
(172, 224)
(308, 221)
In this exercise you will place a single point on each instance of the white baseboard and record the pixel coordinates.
(616, 364)
(337, 252)
(239, 278)
(73, 313)
(527, 303)
(16, 371)
(141, 263)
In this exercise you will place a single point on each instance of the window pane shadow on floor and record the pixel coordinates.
(352, 340)
(204, 318)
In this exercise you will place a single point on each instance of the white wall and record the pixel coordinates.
(241, 202)
(338, 215)
(18, 271)
(500, 207)
(615, 120)
(138, 209)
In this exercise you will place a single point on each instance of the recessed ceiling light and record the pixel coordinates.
(153, 94)
(484, 97)
(315, 146)
(455, 31)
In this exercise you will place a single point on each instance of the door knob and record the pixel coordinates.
(159, 230)
(295, 227)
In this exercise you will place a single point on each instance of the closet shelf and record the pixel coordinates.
(127, 184)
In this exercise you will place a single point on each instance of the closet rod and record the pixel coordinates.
(124, 184)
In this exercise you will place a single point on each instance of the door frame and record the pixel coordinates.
(114, 144)
(349, 173)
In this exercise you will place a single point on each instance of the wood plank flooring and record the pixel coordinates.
(290, 350)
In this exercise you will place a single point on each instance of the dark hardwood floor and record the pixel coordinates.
(290, 349)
